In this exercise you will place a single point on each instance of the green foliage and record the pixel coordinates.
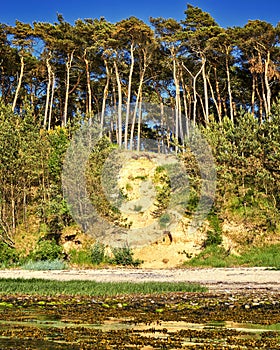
(30, 173)
(81, 257)
(21, 168)
(137, 208)
(162, 185)
(214, 234)
(58, 141)
(164, 220)
(98, 253)
(8, 256)
(140, 177)
(128, 187)
(194, 180)
(124, 256)
(94, 170)
(55, 211)
(46, 250)
(247, 155)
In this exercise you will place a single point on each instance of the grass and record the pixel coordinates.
(268, 256)
(216, 256)
(212, 256)
(82, 258)
(36, 286)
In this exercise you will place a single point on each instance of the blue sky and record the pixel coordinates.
(226, 12)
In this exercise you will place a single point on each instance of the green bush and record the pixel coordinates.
(124, 256)
(98, 253)
(214, 234)
(94, 255)
(46, 250)
(162, 185)
(80, 257)
(164, 220)
(8, 256)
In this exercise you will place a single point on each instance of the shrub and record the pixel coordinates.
(214, 235)
(46, 250)
(162, 185)
(164, 220)
(124, 256)
(98, 253)
(80, 257)
(8, 255)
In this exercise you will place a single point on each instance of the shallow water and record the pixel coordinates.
(118, 324)
(196, 322)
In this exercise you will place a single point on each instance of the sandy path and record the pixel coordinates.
(217, 279)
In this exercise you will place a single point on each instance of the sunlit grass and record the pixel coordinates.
(76, 287)
(216, 256)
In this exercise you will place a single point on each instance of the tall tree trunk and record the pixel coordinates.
(139, 123)
(89, 94)
(219, 99)
(253, 93)
(214, 99)
(136, 108)
(13, 208)
(205, 87)
(194, 77)
(19, 82)
(128, 96)
(185, 101)
(264, 96)
(266, 80)
(105, 95)
(177, 100)
(119, 104)
(49, 68)
(229, 89)
(114, 120)
(260, 106)
(51, 101)
(202, 105)
(68, 68)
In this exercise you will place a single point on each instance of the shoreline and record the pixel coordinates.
(215, 279)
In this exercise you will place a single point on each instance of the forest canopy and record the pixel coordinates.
(53, 76)
(66, 70)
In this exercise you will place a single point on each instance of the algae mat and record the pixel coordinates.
(169, 321)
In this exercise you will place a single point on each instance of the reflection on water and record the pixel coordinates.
(45, 320)
(189, 334)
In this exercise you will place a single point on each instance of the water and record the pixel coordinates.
(56, 330)
(45, 320)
